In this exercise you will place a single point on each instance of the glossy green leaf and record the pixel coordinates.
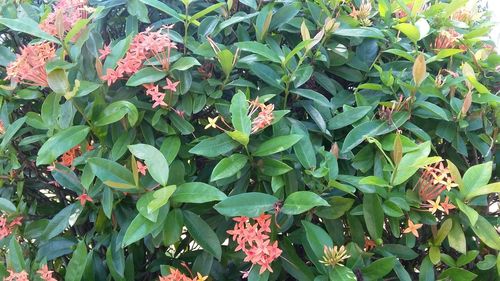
(145, 75)
(156, 163)
(60, 143)
(250, 204)
(302, 201)
(203, 234)
(228, 167)
(276, 144)
(76, 266)
(373, 215)
(197, 192)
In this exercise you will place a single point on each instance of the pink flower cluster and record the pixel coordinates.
(264, 117)
(253, 240)
(144, 46)
(176, 275)
(153, 91)
(66, 13)
(29, 66)
(46, 274)
(6, 228)
(16, 276)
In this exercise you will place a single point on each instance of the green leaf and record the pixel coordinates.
(456, 238)
(226, 59)
(369, 32)
(379, 268)
(15, 256)
(457, 274)
(476, 177)
(259, 49)
(272, 168)
(277, 144)
(239, 113)
(302, 201)
(11, 132)
(487, 233)
(341, 273)
(7, 206)
(434, 254)
(116, 111)
(139, 228)
(214, 146)
(304, 149)
(406, 167)
(228, 167)
(205, 11)
(164, 8)
(144, 76)
(112, 174)
(60, 143)
(483, 190)
(443, 232)
(297, 49)
(313, 95)
(409, 30)
(29, 26)
(197, 192)
(317, 238)
(250, 204)
(64, 218)
(338, 207)
(184, 63)
(348, 117)
(117, 52)
(467, 258)
(75, 29)
(267, 74)
(401, 53)
(154, 159)
(240, 137)
(471, 214)
(160, 198)
(203, 234)
(76, 266)
(373, 215)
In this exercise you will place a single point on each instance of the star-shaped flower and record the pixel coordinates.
(141, 168)
(84, 198)
(211, 122)
(447, 206)
(434, 205)
(413, 228)
(172, 86)
(104, 52)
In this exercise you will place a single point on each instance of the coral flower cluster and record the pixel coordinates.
(29, 66)
(264, 115)
(145, 46)
(65, 15)
(447, 39)
(433, 181)
(7, 228)
(253, 240)
(176, 275)
(44, 272)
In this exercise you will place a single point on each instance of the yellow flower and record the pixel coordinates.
(434, 205)
(334, 256)
(200, 277)
(211, 122)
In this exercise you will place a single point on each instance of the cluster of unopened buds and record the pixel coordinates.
(362, 15)
(44, 272)
(145, 46)
(262, 115)
(7, 228)
(177, 275)
(333, 256)
(448, 39)
(435, 179)
(254, 241)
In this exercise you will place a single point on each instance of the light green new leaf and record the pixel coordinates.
(228, 167)
(409, 30)
(154, 159)
(276, 145)
(483, 190)
(302, 201)
(239, 113)
(197, 192)
(476, 177)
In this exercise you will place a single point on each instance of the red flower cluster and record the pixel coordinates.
(253, 240)
(66, 13)
(448, 39)
(6, 228)
(29, 66)
(144, 46)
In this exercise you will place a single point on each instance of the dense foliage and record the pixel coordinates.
(269, 140)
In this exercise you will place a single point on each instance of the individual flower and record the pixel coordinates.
(141, 168)
(434, 205)
(104, 52)
(65, 15)
(177, 275)
(413, 228)
(212, 122)
(29, 66)
(83, 198)
(253, 239)
(172, 86)
(111, 76)
(16, 276)
(46, 274)
(447, 206)
(369, 244)
(334, 256)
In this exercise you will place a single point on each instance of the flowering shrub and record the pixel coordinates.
(269, 140)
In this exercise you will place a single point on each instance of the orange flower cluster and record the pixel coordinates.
(29, 66)
(144, 46)
(16, 276)
(433, 181)
(253, 240)
(264, 116)
(66, 13)
(176, 275)
(153, 91)
(7, 228)
(447, 39)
